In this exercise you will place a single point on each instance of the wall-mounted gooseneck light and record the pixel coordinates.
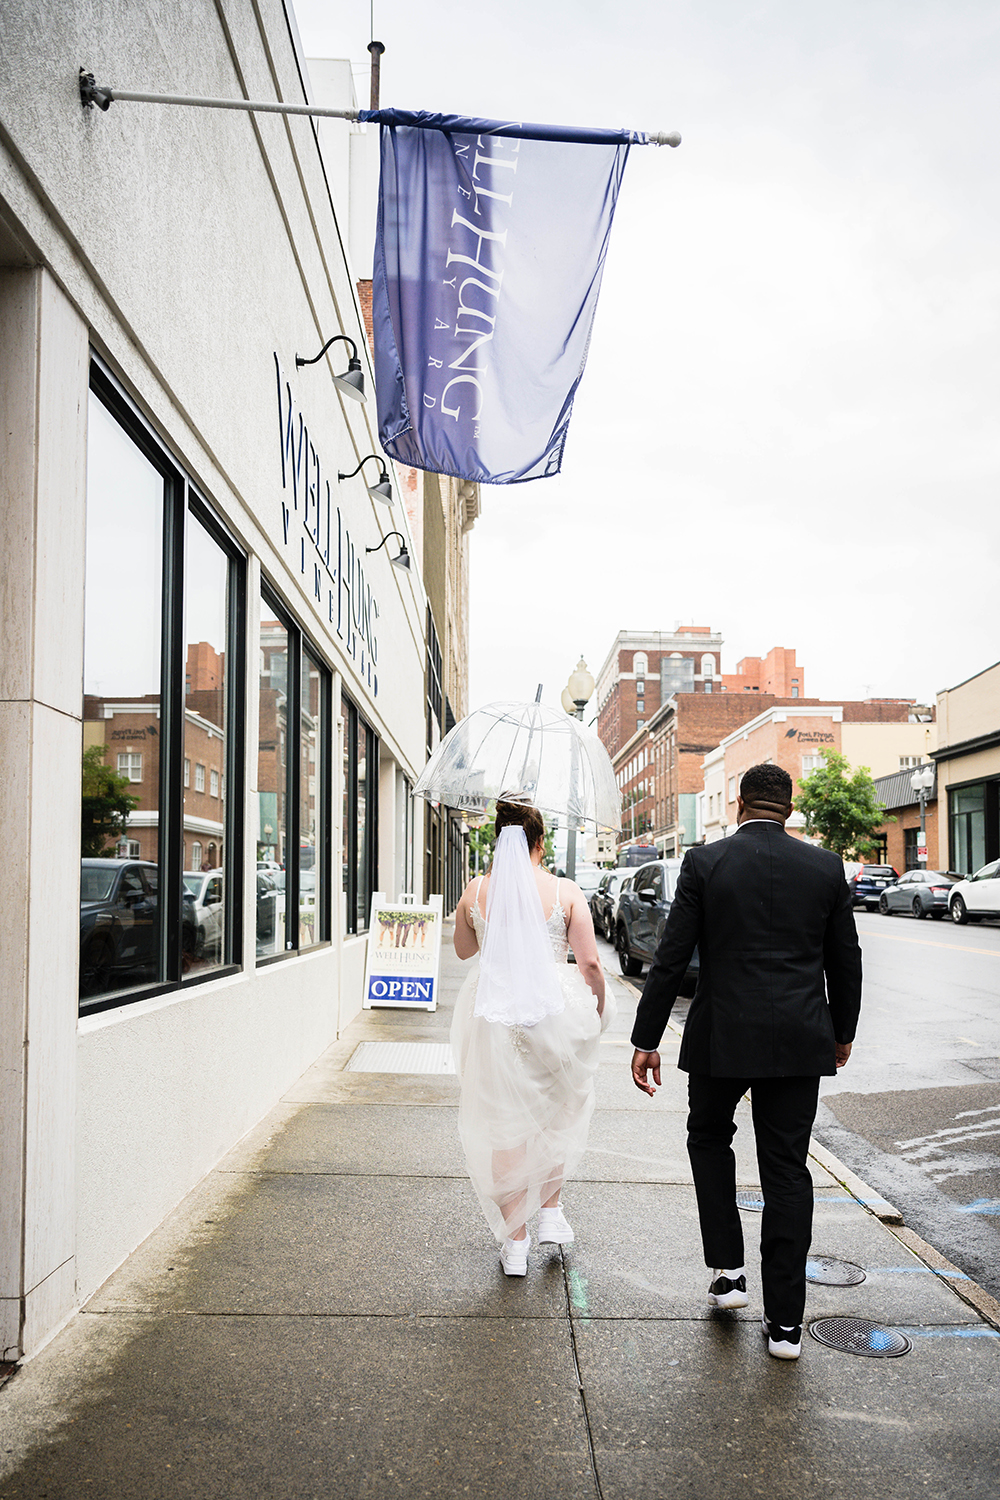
(402, 561)
(352, 382)
(382, 490)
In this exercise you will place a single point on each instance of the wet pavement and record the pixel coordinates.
(325, 1316)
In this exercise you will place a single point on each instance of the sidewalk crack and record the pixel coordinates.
(579, 1378)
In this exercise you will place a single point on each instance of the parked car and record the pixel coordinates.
(270, 899)
(642, 911)
(588, 878)
(118, 923)
(205, 889)
(923, 892)
(626, 885)
(867, 885)
(602, 902)
(977, 897)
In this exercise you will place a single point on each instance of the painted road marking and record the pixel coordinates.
(897, 937)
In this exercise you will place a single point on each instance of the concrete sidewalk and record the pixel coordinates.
(325, 1316)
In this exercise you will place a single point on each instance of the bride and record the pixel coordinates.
(525, 1036)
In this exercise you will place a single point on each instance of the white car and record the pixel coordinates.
(979, 896)
(204, 887)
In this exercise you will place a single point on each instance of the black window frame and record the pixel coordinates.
(181, 498)
(353, 721)
(300, 640)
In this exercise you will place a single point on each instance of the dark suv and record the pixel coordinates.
(118, 924)
(868, 884)
(642, 911)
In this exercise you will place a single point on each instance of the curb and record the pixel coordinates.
(970, 1292)
(866, 1196)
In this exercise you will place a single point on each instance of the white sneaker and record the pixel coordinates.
(783, 1343)
(726, 1293)
(553, 1227)
(514, 1256)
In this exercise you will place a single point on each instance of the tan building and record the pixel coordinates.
(885, 736)
(968, 770)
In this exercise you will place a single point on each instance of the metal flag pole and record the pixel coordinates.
(376, 49)
(94, 93)
(104, 96)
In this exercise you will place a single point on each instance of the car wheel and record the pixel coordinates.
(95, 967)
(958, 911)
(630, 967)
(883, 906)
(918, 908)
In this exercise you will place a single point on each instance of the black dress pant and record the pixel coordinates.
(783, 1113)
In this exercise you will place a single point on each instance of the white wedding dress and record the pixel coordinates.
(527, 1092)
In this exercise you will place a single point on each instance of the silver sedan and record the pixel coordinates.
(921, 893)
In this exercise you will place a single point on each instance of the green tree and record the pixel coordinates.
(105, 806)
(481, 841)
(842, 809)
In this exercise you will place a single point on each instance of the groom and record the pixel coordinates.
(779, 992)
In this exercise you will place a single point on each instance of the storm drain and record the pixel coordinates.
(402, 1057)
(826, 1270)
(860, 1336)
(750, 1200)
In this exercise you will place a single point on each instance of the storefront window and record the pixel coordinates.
(360, 818)
(120, 940)
(293, 798)
(164, 608)
(312, 809)
(967, 816)
(204, 928)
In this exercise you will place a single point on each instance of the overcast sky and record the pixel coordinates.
(789, 427)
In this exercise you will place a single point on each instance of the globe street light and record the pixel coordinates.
(921, 781)
(575, 696)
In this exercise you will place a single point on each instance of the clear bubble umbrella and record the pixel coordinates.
(524, 752)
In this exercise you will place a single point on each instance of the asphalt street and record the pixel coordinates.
(916, 1112)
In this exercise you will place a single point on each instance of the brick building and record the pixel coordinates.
(776, 673)
(129, 729)
(645, 668)
(899, 839)
(678, 739)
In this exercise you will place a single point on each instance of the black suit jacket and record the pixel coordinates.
(780, 976)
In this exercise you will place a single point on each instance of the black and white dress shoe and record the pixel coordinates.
(726, 1293)
(783, 1343)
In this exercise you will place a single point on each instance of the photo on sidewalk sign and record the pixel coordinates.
(404, 954)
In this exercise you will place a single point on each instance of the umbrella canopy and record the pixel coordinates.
(531, 753)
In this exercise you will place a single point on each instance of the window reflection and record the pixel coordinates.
(119, 922)
(311, 896)
(272, 782)
(206, 626)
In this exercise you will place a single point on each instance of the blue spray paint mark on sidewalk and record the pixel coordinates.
(981, 1206)
(950, 1333)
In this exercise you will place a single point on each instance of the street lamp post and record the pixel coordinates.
(921, 781)
(576, 692)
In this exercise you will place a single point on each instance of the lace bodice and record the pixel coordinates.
(555, 926)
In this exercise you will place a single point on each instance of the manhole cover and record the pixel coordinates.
(860, 1336)
(826, 1270)
(750, 1200)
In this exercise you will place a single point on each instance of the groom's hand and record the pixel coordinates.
(644, 1063)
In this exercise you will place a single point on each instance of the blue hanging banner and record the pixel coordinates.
(488, 261)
